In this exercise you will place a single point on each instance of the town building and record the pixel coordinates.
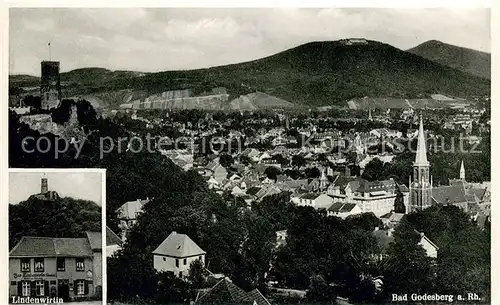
(176, 253)
(67, 268)
(385, 238)
(113, 242)
(378, 197)
(343, 210)
(127, 215)
(315, 200)
(225, 292)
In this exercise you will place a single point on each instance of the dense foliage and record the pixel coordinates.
(63, 217)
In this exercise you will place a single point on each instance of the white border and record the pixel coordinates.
(101, 171)
(495, 48)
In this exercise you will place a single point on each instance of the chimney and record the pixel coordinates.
(44, 186)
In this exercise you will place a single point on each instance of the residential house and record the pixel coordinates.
(227, 293)
(430, 248)
(315, 200)
(343, 210)
(214, 169)
(128, 214)
(385, 238)
(113, 242)
(392, 219)
(176, 253)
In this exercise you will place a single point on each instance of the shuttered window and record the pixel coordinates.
(80, 287)
(25, 265)
(40, 288)
(39, 262)
(26, 289)
(80, 264)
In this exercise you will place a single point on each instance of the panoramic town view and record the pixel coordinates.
(261, 156)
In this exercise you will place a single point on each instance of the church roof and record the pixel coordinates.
(178, 245)
(421, 156)
(448, 194)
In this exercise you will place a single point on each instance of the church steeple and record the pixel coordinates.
(421, 156)
(462, 171)
(421, 187)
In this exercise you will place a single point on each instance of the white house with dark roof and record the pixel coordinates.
(176, 253)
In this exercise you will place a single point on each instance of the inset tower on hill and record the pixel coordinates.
(45, 194)
(50, 88)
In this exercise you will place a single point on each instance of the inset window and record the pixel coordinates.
(25, 265)
(39, 264)
(26, 289)
(80, 287)
(80, 264)
(40, 288)
(61, 264)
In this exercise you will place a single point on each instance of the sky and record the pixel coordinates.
(160, 39)
(78, 185)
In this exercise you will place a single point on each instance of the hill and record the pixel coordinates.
(63, 217)
(315, 74)
(467, 60)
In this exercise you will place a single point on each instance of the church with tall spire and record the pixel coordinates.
(421, 185)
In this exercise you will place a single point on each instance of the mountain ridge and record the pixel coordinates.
(461, 58)
(315, 73)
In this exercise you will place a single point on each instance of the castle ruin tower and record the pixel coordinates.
(420, 187)
(44, 186)
(50, 87)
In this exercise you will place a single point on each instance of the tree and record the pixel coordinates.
(197, 273)
(320, 292)
(245, 159)
(272, 172)
(226, 160)
(313, 172)
(298, 161)
(374, 170)
(63, 217)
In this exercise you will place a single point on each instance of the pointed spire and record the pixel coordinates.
(462, 171)
(421, 157)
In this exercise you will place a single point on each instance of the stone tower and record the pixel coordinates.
(420, 187)
(44, 186)
(50, 87)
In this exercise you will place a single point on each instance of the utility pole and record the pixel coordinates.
(50, 55)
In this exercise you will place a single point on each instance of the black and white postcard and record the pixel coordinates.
(257, 156)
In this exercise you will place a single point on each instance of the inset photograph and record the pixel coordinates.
(55, 235)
